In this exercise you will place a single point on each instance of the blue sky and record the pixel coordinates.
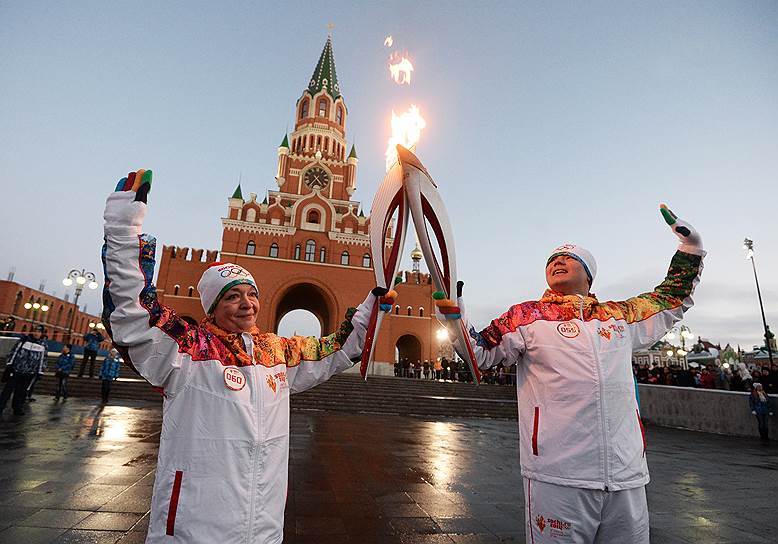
(547, 122)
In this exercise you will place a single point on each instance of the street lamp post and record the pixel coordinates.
(684, 333)
(35, 306)
(748, 245)
(80, 278)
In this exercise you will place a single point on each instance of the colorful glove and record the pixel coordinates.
(386, 298)
(446, 308)
(691, 241)
(125, 208)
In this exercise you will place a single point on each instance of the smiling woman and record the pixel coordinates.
(233, 424)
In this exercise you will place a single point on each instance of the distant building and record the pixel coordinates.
(59, 314)
(307, 241)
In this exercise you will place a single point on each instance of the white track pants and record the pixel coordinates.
(558, 514)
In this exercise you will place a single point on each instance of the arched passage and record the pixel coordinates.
(408, 346)
(306, 296)
(300, 323)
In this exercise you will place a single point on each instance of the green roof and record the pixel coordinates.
(324, 76)
(353, 153)
(238, 193)
(285, 142)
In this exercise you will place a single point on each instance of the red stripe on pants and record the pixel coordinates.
(171, 513)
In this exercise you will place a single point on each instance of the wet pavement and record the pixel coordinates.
(74, 472)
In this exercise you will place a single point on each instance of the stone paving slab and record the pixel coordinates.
(77, 472)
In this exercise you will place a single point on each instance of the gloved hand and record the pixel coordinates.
(691, 241)
(125, 208)
(386, 298)
(446, 308)
(754, 413)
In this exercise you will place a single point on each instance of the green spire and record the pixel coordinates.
(361, 212)
(238, 193)
(324, 76)
(353, 153)
(285, 142)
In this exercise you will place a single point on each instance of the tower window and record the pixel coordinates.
(273, 250)
(366, 260)
(339, 115)
(421, 312)
(322, 255)
(409, 310)
(176, 289)
(297, 252)
(313, 217)
(304, 109)
(322, 107)
(251, 248)
(310, 250)
(190, 291)
(344, 258)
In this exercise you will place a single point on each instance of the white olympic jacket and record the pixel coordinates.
(224, 448)
(579, 421)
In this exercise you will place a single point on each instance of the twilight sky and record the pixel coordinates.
(547, 122)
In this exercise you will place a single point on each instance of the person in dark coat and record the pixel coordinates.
(23, 363)
(65, 363)
(760, 406)
(109, 372)
(92, 341)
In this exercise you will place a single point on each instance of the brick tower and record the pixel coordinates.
(307, 242)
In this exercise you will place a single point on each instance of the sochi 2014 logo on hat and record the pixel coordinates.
(566, 247)
(234, 379)
(233, 271)
(568, 329)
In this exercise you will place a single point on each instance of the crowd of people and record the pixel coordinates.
(737, 377)
(28, 361)
(449, 370)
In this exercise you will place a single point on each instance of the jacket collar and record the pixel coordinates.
(553, 297)
(233, 341)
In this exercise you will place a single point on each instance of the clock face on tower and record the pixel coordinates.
(316, 178)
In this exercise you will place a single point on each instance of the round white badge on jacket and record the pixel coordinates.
(234, 379)
(568, 329)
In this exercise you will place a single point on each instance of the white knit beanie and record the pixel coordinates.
(581, 255)
(218, 279)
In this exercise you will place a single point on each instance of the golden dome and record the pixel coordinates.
(416, 254)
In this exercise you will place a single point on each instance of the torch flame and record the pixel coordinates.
(400, 68)
(406, 130)
(389, 41)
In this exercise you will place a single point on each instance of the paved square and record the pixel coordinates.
(73, 472)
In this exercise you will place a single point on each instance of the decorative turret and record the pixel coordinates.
(283, 161)
(351, 171)
(235, 203)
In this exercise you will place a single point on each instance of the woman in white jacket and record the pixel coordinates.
(224, 447)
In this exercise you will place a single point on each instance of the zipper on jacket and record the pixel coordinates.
(602, 402)
(535, 431)
(255, 446)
